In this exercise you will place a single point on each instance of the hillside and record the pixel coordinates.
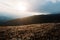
(51, 18)
(45, 31)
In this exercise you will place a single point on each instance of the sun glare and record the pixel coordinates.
(22, 6)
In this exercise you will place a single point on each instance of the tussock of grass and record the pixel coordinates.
(45, 31)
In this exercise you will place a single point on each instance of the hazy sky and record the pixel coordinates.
(34, 7)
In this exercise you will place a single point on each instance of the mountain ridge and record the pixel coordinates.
(51, 18)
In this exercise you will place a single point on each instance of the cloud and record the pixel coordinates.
(8, 5)
(49, 6)
(53, 1)
(35, 5)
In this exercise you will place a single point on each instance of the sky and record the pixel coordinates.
(33, 7)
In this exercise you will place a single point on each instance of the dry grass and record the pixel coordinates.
(45, 31)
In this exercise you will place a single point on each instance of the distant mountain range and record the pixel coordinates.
(51, 18)
(3, 19)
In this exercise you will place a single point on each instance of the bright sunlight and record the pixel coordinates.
(22, 6)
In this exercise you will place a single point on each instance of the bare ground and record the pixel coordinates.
(45, 31)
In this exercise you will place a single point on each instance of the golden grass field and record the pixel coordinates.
(44, 31)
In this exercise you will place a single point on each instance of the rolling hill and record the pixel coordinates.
(51, 18)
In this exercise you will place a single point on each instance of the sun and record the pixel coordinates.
(22, 6)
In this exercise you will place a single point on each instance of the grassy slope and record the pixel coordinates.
(52, 18)
(43, 31)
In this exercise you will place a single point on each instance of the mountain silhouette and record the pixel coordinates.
(3, 19)
(50, 18)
